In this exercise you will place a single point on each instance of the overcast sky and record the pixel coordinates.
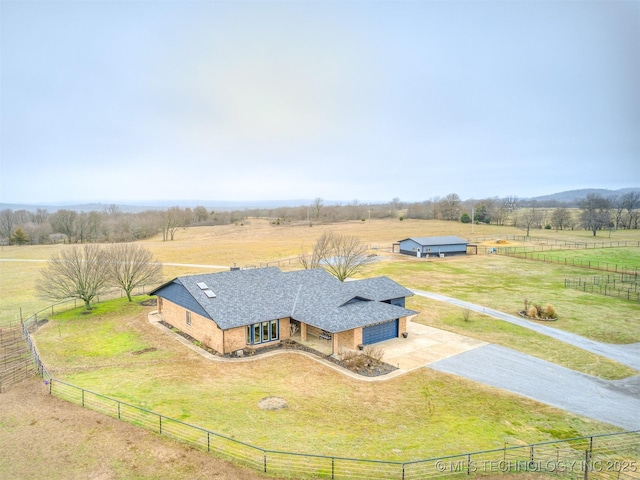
(369, 100)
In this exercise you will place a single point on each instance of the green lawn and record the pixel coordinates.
(421, 414)
(503, 283)
(627, 258)
(491, 330)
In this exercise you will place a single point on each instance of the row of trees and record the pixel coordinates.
(113, 225)
(84, 272)
(594, 213)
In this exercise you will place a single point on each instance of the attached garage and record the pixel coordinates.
(380, 332)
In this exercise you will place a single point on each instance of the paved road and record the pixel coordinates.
(615, 402)
(626, 354)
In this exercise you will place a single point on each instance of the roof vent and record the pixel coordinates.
(202, 285)
(209, 293)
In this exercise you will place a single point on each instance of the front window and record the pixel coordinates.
(188, 318)
(263, 332)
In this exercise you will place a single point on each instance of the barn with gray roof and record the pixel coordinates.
(230, 311)
(425, 247)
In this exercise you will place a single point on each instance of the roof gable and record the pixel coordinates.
(434, 241)
(355, 299)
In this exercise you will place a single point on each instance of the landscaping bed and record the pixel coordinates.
(360, 364)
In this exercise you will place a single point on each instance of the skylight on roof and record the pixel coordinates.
(202, 285)
(209, 293)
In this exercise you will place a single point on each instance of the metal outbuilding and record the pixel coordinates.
(424, 247)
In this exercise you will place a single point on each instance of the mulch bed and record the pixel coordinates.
(522, 313)
(371, 368)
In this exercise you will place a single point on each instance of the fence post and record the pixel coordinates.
(587, 458)
(265, 461)
(160, 418)
(531, 454)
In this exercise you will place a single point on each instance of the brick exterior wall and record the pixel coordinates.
(201, 328)
(208, 332)
(402, 325)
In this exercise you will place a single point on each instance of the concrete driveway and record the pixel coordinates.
(425, 345)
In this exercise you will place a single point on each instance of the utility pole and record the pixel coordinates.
(473, 219)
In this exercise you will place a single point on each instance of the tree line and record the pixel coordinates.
(111, 225)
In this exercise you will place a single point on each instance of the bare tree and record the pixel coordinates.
(560, 218)
(7, 222)
(87, 226)
(341, 255)
(396, 203)
(617, 210)
(64, 221)
(112, 210)
(319, 253)
(595, 212)
(78, 272)
(450, 207)
(318, 203)
(40, 216)
(511, 203)
(172, 220)
(132, 266)
(530, 218)
(631, 201)
(201, 214)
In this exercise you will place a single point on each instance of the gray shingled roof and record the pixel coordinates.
(315, 297)
(432, 241)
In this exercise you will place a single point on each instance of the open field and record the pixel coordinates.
(425, 412)
(257, 241)
(419, 415)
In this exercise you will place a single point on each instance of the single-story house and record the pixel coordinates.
(424, 247)
(230, 311)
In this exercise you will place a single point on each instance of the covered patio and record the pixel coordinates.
(321, 345)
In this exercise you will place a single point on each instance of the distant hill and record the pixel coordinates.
(163, 205)
(570, 198)
(573, 196)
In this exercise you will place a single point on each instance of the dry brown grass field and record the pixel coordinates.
(250, 243)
